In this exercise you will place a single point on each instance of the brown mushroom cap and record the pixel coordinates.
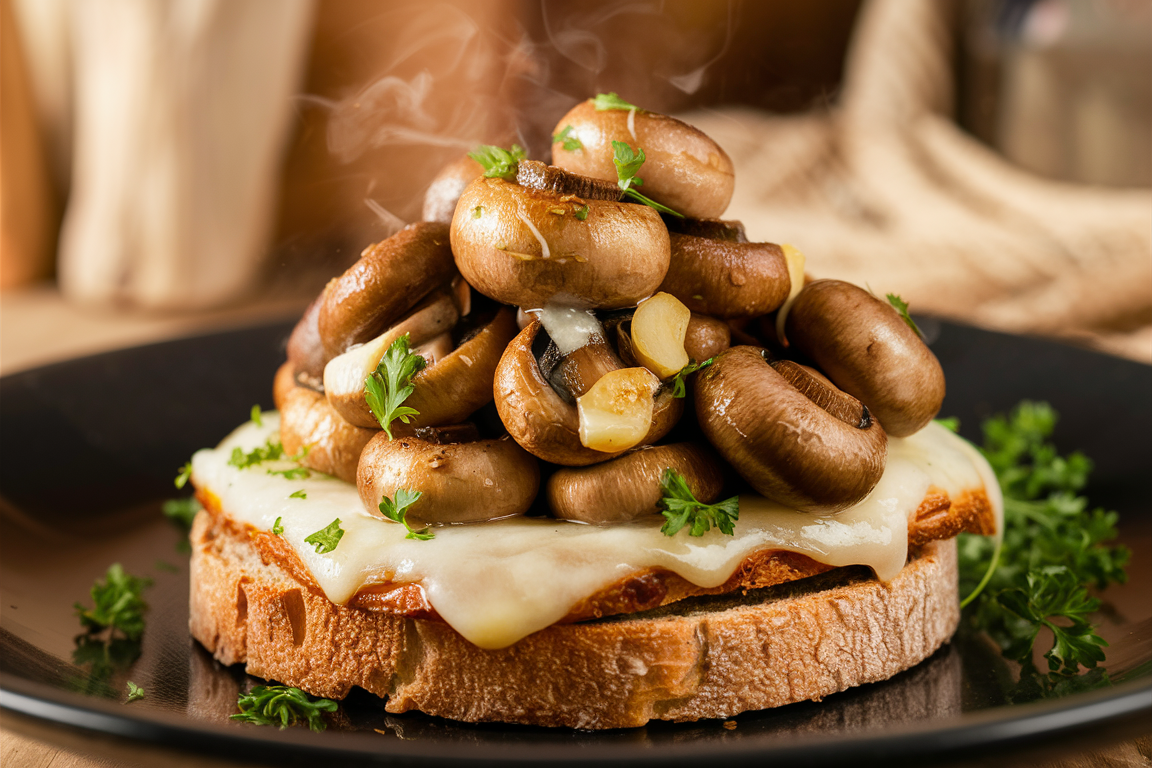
(334, 445)
(542, 422)
(305, 350)
(706, 337)
(684, 169)
(867, 349)
(806, 446)
(628, 487)
(612, 258)
(459, 482)
(445, 190)
(726, 279)
(388, 280)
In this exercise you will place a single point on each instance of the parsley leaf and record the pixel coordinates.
(680, 508)
(256, 416)
(135, 692)
(184, 476)
(326, 539)
(582, 213)
(283, 706)
(300, 494)
(499, 163)
(1054, 547)
(606, 101)
(390, 384)
(678, 381)
(398, 511)
(277, 529)
(570, 142)
(627, 163)
(181, 511)
(951, 423)
(901, 306)
(270, 451)
(293, 473)
(118, 604)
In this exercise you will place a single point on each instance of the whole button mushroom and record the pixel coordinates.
(869, 351)
(685, 169)
(445, 190)
(527, 247)
(792, 436)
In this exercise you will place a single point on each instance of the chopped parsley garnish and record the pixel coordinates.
(184, 476)
(181, 511)
(326, 539)
(606, 101)
(681, 508)
(277, 528)
(1054, 548)
(398, 511)
(627, 163)
(135, 692)
(678, 381)
(282, 706)
(582, 213)
(570, 142)
(294, 473)
(499, 163)
(118, 604)
(390, 384)
(270, 451)
(901, 306)
(257, 415)
(300, 494)
(951, 423)
(478, 211)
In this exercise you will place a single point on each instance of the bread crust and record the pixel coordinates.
(703, 657)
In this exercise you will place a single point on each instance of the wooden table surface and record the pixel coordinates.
(37, 327)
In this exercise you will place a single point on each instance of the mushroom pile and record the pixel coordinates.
(554, 321)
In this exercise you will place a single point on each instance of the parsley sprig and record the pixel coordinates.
(1054, 548)
(118, 604)
(681, 508)
(901, 306)
(628, 162)
(326, 539)
(397, 510)
(606, 101)
(678, 381)
(135, 693)
(390, 384)
(499, 163)
(282, 706)
(270, 451)
(565, 137)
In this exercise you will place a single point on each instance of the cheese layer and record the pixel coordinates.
(500, 581)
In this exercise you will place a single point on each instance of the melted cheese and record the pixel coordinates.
(570, 327)
(498, 582)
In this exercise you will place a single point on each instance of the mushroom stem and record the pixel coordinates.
(533, 174)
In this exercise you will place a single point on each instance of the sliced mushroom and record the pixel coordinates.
(727, 279)
(390, 278)
(445, 190)
(628, 487)
(458, 482)
(867, 349)
(793, 438)
(527, 247)
(334, 445)
(345, 374)
(684, 169)
(542, 421)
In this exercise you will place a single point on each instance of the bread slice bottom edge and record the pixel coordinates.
(704, 657)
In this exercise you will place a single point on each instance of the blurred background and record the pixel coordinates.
(175, 166)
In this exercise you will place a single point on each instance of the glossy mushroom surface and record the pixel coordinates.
(334, 445)
(727, 279)
(445, 190)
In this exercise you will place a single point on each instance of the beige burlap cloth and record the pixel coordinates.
(883, 189)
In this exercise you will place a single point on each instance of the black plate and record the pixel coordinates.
(89, 449)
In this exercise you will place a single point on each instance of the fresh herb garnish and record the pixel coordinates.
(256, 415)
(570, 142)
(398, 511)
(1054, 547)
(499, 163)
(277, 528)
(294, 473)
(582, 213)
(606, 101)
(135, 692)
(627, 163)
(270, 451)
(282, 706)
(680, 507)
(952, 423)
(678, 381)
(300, 494)
(391, 383)
(326, 539)
(184, 476)
(478, 211)
(901, 306)
(118, 604)
(181, 511)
